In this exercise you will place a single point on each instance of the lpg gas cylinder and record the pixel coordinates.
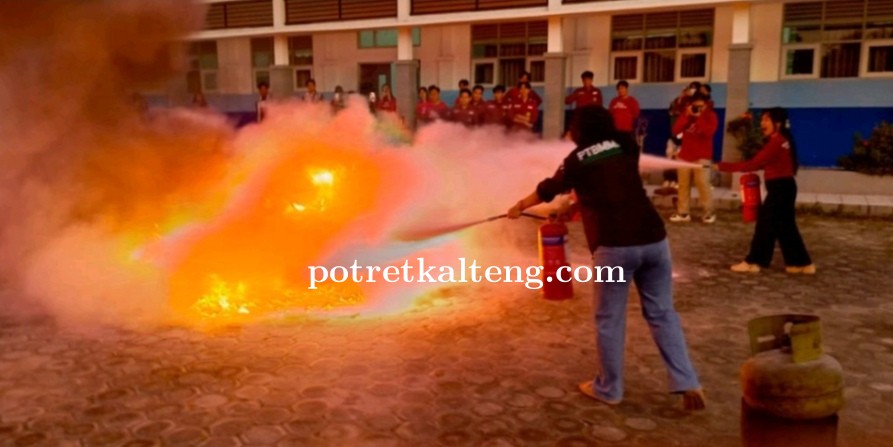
(788, 375)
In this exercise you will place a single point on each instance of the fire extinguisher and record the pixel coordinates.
(552, 237)
(750, 196)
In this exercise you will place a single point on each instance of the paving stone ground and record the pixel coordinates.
(487, 365)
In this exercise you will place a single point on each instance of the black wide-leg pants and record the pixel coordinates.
(776, 221)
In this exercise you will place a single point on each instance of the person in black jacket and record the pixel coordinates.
(623, 230)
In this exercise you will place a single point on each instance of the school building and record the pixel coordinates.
(829, 62)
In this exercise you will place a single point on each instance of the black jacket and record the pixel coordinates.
(616, 209)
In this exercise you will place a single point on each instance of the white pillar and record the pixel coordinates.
(741, 23)
(556, 35)
(278, 13)
(280, 50)
(404, 8)
(404, 43)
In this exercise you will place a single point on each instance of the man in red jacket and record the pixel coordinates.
(495, 111)
(464, 112)
(585, 95)
(624, 109)
(524, 110)
(698, 125)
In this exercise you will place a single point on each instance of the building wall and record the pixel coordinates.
(824, 112)
(766, 21)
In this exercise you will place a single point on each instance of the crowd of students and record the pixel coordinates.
(516, 108)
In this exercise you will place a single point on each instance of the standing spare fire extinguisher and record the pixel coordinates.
(552, 237)
(750, 196)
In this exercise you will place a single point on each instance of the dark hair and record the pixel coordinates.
(499, 88)
(623, 84)
(478, 87)
(464, 91)
(707, 87)
(309, 81)
(779, 117)
(587, 75)
(263, 84)
(423, 89)
(524, 73)
(433, 87)
(694, 84)
(592, 124)
(463, 82)
(525, 84)
(698, 96)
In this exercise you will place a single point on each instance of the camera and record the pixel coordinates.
(696, 109)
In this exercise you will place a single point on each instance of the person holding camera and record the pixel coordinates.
(697, 124)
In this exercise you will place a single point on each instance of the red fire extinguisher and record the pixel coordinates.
(750, 196)
(552, 236)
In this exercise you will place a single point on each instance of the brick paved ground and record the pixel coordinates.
(489, 365)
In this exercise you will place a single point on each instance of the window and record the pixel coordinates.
(839, 39)
(300, 58)
(662, 47)
(202, 74)
(878, 58)
(500, 52)
(385, 38)
(261, 59)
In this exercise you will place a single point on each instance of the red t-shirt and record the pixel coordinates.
(431, 112)
(625, 111)
(469, 116)
(496, 112)
(515, 95)
(523, 114)
(774, 159)
(386, 104)
(584, 97)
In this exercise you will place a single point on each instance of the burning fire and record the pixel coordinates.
(294, 207)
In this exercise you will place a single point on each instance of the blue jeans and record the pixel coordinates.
(650, 267)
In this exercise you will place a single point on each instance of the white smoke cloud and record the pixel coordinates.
(83, 171)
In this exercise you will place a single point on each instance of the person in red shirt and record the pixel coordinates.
(477, 97)
(465, 113)
(437, 109)
(697, 125)
(585, 95)
(463, 84)
(776, 218)
(524, 110)
(495, 111)
(624, 108)
(421, 107)
(312, 95)
(515, 92)
(386, 103)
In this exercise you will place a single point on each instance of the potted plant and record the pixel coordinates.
(747, 134)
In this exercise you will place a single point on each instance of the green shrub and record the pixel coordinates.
(872, 156)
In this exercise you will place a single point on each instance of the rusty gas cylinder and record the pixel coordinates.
(788, 375)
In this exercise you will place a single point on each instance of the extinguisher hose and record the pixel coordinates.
(502, 216)
(433, 232)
